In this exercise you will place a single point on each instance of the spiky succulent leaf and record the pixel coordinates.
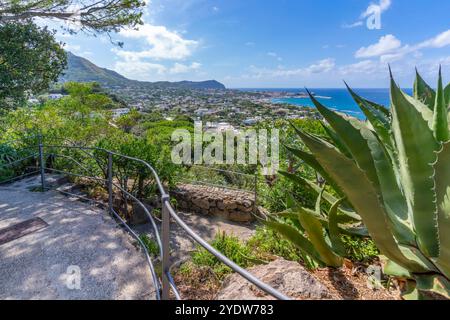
(333, 229)
(379, 119)
(362, 195)
(411, 292)
(315, 233)
(391, 194)
(319, 202)
(440, 120)
(416, 150)
(434, 284)
(345, 215)
(423, 92)
(442, 179)
(294, 236)
(298, 180)
(351, 137)
(395, 270)
(337, 141)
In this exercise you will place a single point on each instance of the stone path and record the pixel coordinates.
(78, 237)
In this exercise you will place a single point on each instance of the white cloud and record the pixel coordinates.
(390, 49)
(182, 68)
(322, 66)
(440, 41)
(215, 9)
(274, 55)
(164, 44)
(365, 66)
(385, 45)
(250, 44)
(139, 70)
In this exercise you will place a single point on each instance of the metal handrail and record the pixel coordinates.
(162, 289)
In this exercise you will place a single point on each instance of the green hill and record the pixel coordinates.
(82, 70)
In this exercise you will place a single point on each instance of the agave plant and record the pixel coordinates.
(394, 171)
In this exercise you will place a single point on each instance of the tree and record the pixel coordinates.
(30, 61)
(94, 16)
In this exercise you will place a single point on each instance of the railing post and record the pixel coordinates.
(110, 182)
(41, 162)
(165, 239)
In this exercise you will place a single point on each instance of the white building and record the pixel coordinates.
(120, 112)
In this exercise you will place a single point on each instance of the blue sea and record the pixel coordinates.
(336, 99)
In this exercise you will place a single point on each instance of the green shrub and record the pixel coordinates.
(266, 242)
(360, 249)
(231, 247)
(151, 245)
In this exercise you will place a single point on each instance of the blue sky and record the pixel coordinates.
(279, 43)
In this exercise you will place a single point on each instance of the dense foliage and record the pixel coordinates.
(89, 16)
(30, 61)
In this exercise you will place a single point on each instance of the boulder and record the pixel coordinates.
(287, 277)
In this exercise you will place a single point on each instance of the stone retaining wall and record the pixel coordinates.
(233, 205)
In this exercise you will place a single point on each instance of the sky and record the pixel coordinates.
(279, 43)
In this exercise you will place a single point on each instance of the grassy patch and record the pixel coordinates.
(359, 249)
(266, 244)
(151, 245)
(231, 247)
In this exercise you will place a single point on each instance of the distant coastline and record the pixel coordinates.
(338, 99)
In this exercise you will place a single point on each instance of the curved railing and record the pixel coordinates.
(112, 184)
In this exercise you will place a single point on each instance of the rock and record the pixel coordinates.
(247, 203)
(239, 216)
(201, 203)
(139, 215)
(220, 205)
(229, 204)
(287, 277)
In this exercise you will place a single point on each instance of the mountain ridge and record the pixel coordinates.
(80, 69)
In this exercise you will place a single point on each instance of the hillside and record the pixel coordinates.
(82, 70)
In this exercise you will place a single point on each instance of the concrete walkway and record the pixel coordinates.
(78, 237)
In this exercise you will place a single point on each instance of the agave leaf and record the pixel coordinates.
(423, 92)
(442, 179)
(352, 138)
(334, 231)
(298, 180)
(294, 236)
(336, 140)
(411, 292)
(311, 161)
(362, 195)
(395, 270)
(440, 120)
(345, 215)
(379, 121)
(319, 203)
(315, 233)
(417, 149)
(392, 196)
(360, 231)
(378, 107)
(434, 284)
